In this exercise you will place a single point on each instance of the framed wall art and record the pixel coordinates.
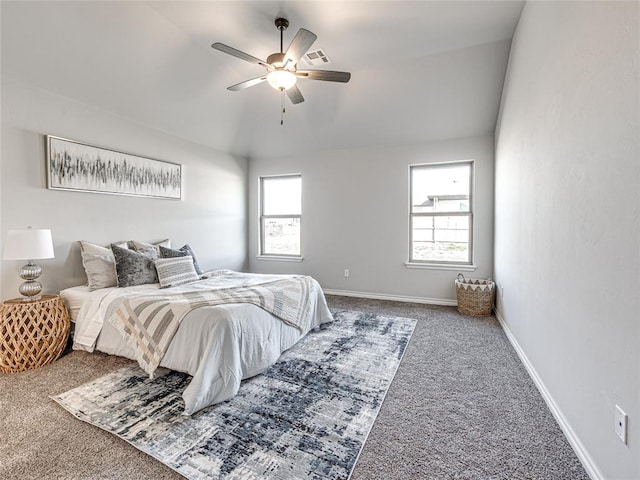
(73, 165)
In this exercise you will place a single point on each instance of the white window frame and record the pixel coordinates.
(262, 255)
(466, 265)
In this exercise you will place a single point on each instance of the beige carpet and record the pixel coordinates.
(460, 407)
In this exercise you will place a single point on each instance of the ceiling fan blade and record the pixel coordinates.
(294, 95)
(237, 53)
(299, 46)
(326, 75)
(247, 83)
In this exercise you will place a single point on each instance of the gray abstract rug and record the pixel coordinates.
(307, 416)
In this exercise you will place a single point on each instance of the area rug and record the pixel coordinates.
(307, 416)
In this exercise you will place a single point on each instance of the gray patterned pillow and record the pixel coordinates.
(183, 252)
(176, 271)
(133, 268)
(150, 249)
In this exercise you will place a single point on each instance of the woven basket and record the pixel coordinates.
(475, 296)
(33, 333)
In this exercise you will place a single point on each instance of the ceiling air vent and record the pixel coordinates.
(316, 57)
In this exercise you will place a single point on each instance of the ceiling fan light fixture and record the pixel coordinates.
(282, 67)
(281, 79)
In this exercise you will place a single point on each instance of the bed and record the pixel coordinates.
(218, 345)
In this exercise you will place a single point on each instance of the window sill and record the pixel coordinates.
(279, 258)
(440, 266)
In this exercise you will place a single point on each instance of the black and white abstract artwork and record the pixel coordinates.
(73, 165)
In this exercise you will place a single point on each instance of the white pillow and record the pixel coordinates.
(99, 265)
(176, 271)
(94, 249)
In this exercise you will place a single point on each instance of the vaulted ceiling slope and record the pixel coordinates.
(420, 70)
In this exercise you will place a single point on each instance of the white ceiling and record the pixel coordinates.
(420, 70)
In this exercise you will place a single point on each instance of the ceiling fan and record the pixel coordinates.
(281, 67)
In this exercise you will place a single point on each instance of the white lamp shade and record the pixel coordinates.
(30, 244)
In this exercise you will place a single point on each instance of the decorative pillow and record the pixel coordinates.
(176, 271)
(134, 268)
(100, 270)
(150, 249)
(182, 252)
(93, 249)
(99, 265)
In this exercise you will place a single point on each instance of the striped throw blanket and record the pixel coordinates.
(149, 321)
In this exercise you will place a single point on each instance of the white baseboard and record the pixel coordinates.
(574, 441)
(394, 298)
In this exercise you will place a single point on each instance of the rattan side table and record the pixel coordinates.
(32, 333)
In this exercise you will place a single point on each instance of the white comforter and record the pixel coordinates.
(219, 346)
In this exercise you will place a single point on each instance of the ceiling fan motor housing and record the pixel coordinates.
(276, 59)
(282, 23)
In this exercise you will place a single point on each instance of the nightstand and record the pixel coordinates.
(32, 333)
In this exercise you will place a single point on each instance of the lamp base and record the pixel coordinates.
(31, 288)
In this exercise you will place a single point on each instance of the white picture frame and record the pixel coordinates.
(76, 166)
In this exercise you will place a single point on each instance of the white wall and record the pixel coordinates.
(355, 216)
(211, 217)
(567, 218)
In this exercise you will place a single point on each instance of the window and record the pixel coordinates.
(280, 215)
(441, 214)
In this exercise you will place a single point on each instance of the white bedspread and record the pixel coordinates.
(219, 346)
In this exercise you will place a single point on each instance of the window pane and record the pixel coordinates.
(449, 240)
(440, 188)
(423, 229)
(282, 195)
(281, 236)
(452, 229)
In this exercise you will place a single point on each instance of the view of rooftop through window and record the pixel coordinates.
(441, 213)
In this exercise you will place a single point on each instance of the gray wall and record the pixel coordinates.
(211, 217)
(355, 216)
(567, 228)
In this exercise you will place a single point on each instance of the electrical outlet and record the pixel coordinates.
(346, 272)
(621, 424)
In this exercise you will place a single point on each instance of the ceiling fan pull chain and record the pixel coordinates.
(282, 111)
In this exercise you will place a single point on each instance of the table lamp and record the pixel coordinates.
(30, 244)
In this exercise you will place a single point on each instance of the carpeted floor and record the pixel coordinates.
(461, 406)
